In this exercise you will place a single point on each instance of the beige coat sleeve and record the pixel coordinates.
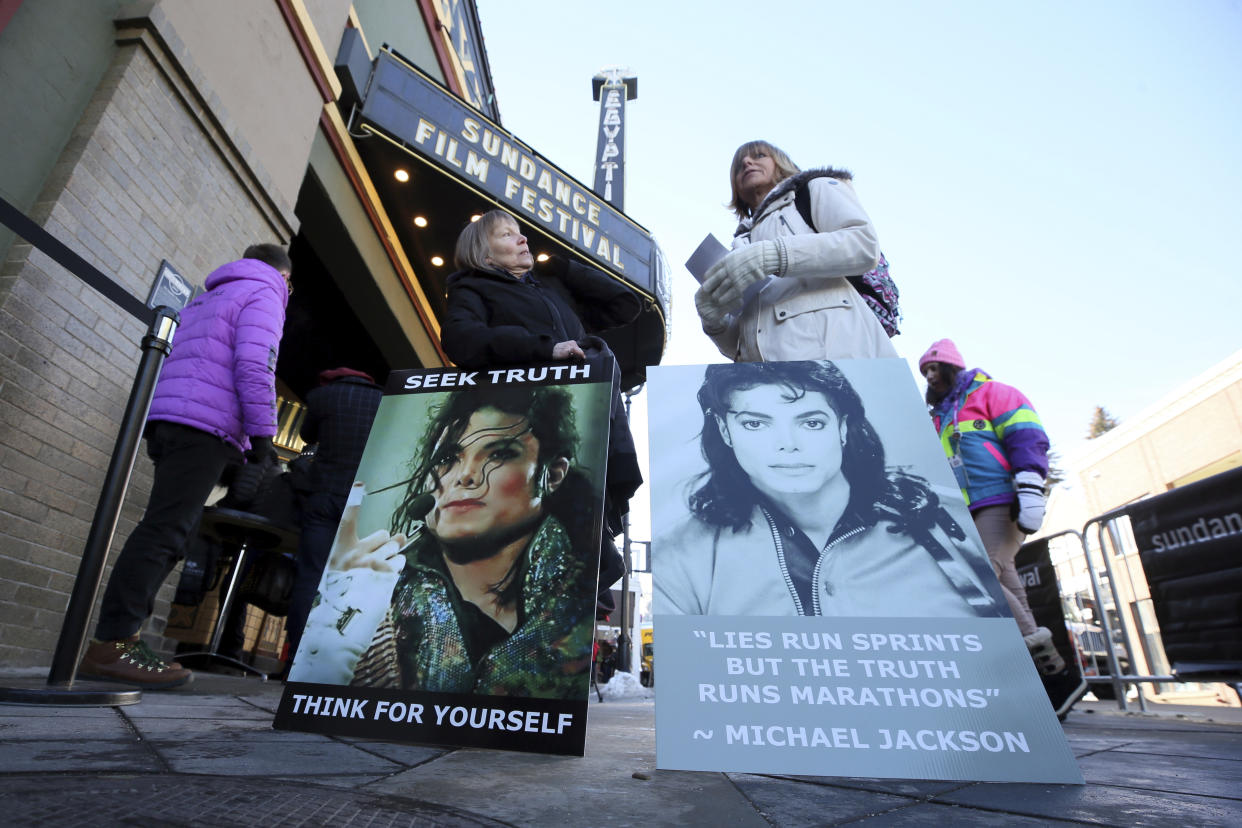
(845, 241)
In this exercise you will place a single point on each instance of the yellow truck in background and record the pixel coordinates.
(646, 673)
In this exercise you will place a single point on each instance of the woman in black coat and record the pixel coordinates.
(500, 314)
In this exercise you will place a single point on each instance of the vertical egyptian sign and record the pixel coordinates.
(612, 89)
(822, 599)
(458, 603)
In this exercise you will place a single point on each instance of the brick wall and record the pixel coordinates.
(147, 175)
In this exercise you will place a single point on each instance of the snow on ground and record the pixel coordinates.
(625, 686)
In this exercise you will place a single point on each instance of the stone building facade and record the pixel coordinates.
(182, 131)
(154, 168)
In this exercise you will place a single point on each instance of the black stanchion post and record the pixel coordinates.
(627, 609)
(155, 347)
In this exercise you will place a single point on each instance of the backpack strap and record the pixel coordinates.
(802, 203)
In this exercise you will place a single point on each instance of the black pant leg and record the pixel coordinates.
(320, 518)
(188, 462)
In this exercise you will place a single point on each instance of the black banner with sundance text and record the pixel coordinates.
(1190, 543)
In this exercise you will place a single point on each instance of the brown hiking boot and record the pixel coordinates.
(131, 661)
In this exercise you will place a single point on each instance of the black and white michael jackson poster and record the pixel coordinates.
(458, 604)
(822, 600)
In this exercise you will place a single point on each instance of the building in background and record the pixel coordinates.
(183, 131)
(1191, 433)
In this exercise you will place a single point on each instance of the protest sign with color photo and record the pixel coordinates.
(458, 603)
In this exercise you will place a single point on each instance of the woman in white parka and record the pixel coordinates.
(807, 309)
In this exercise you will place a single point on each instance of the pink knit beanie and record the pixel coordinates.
(942, 350)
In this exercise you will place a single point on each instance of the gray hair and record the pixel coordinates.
(474, 244)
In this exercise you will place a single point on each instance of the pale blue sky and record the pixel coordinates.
(1056, 185)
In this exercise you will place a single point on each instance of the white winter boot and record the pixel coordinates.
(1047, 659)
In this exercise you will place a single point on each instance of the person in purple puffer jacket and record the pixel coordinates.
(215, 401)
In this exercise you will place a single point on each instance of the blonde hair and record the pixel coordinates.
(785, 167)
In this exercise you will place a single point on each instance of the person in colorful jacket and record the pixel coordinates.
(215, 401)
(798, 514)
(999, 453)
(485, 583)
(782, 293)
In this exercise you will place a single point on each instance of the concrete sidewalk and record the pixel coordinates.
(207, 755)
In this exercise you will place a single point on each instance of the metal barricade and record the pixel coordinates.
(1106, 595)
(1169, 567)
(1119, 681)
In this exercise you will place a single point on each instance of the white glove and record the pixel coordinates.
(713, 315)
(727, 280)
(340, 628)
(353, 599)
(1031, 500)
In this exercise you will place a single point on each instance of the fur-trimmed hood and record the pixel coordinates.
(788, 186)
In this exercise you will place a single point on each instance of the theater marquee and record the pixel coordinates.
(409, 108)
